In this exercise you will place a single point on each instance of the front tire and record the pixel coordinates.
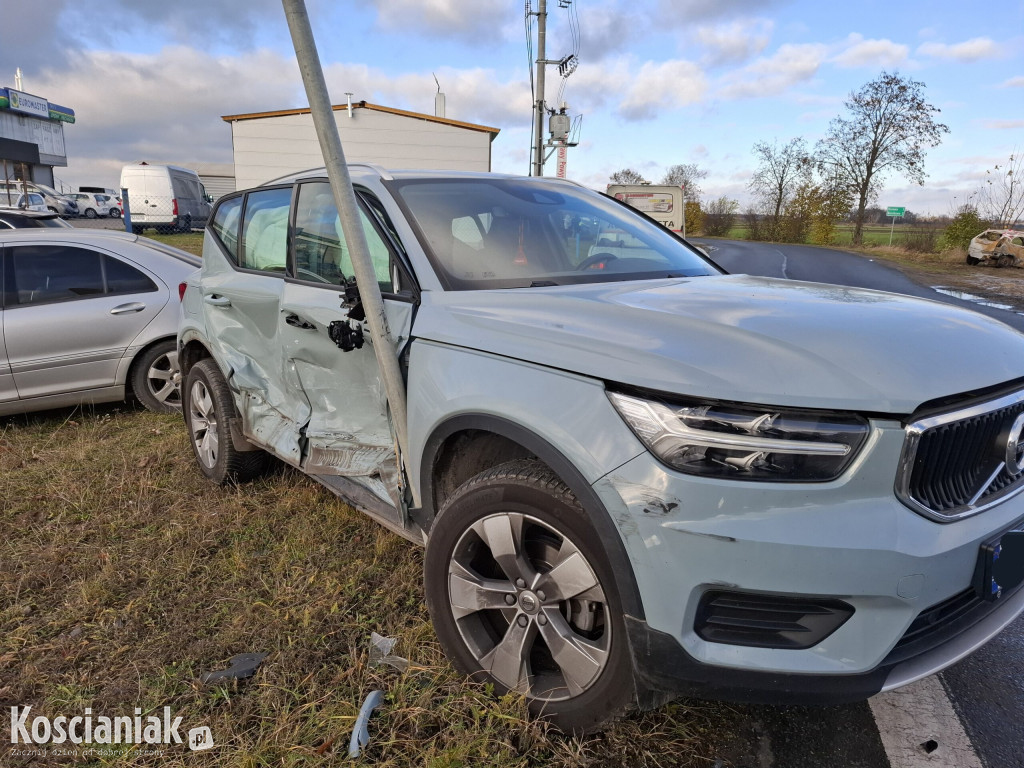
(522, 595)
(209, 410)
(90, 213)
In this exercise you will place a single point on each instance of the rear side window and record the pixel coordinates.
(225, 224)
(124, 278)
(264, 244)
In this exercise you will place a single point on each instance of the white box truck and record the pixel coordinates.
(166, 197)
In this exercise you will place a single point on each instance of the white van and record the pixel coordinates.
(166, 197)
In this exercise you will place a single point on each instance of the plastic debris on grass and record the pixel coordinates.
(242, 666)
(380, 652)
(360, 732)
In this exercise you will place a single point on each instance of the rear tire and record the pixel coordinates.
(209, 412)
(522, 595)
(90, 213)
(156, 379)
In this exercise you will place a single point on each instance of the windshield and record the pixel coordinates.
(514, 233)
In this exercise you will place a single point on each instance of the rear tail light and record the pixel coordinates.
(181, 291)
(174, 206)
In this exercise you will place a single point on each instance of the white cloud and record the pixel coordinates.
(660, 86)
(471, 22)
(1003, 125)
(1013, 82)
(736, 41)
(970, 50)
(772, 75)
(870, 53)
(687, 12)
(143, 113)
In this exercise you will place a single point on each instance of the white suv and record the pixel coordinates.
(634, 475)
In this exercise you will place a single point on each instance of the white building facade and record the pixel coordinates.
(268, 145)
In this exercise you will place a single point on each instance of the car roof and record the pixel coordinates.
(368, 170)
(8, 211)
(98, 237)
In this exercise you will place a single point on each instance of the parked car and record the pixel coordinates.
(54, 200)
(998, 247)
(88, 316)
(92, 204)
(634, 475)
(166, 197)
(13, 218)
(32, 201)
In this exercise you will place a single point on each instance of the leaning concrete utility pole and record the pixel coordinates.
(348, 213)
(538, 117)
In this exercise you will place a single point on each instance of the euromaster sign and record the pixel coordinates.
(36, 106)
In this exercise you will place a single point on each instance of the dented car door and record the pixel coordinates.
(242, 302)
(328, 362)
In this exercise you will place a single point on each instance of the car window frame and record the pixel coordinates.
(7, 276)
(410, 290)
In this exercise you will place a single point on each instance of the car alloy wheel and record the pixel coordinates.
(529, 606)
(163, 380)
(203, 424)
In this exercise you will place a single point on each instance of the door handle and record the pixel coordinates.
(124, 309)
(217, 301)
(297, 322)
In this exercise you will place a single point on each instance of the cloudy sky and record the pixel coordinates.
(659, 82)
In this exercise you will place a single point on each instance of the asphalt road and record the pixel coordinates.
(987, 688)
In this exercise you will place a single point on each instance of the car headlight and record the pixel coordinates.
(744, 442)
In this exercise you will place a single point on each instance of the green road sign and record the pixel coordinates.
(895, 212)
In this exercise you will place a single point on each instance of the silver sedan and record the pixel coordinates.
(88, 316)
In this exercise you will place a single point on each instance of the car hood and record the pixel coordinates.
(739, 338)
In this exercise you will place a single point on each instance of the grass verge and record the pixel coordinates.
(124, 575)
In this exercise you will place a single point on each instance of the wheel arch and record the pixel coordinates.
(139, 355)
(506, 439)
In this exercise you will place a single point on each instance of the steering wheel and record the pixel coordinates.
(595, 258)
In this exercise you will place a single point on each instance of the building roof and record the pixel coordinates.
(367, 105)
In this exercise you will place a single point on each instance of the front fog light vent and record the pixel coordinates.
(768, 621)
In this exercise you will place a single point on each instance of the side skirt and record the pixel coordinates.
(371, 505)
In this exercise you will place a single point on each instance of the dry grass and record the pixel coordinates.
(124, 575)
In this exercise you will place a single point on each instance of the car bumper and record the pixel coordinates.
(848, 540)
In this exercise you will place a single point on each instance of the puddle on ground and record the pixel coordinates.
(963, 295)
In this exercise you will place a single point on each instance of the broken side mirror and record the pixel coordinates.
(346, 334)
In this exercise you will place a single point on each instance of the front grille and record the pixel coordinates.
(955, 464)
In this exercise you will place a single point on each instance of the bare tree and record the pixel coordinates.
(628, 176)
(688, 176)
(887, 128)
(780, 171)
(1002, 195)
(719, 216)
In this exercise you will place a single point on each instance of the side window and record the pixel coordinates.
(46, 273)
(225, 224)
(265, 230)
(123, 278)
(320, 251)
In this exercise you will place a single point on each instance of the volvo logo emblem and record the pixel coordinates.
(528, 602)
(1014, 456)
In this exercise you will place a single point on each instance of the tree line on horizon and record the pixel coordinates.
(803, 193)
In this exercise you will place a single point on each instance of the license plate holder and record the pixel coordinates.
(1000, 565)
